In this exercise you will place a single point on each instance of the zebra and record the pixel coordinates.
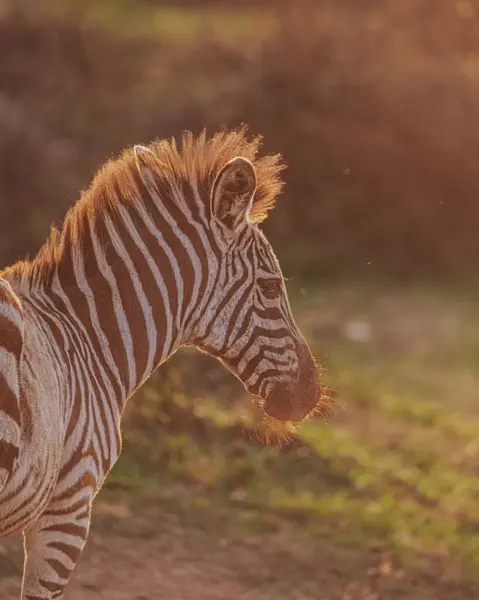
(163, 250)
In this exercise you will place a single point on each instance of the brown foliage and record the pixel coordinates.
(374, 110)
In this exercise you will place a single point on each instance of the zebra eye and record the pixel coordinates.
(271, 288)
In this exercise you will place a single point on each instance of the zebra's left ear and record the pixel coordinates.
(232, 193)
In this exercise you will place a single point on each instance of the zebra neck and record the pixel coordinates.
(134, 287)
(127, 284)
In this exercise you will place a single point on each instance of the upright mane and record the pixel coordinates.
(196, 159)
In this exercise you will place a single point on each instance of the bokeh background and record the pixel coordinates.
(374, 106)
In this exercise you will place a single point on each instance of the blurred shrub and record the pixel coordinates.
(374, 109)
(376, 114)
(56, 90)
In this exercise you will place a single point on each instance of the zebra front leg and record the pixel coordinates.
(53, 546)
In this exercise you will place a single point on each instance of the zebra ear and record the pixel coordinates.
(232, 194)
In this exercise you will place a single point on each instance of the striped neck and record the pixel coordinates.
(132, 289)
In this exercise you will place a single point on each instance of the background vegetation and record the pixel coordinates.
(374, 108)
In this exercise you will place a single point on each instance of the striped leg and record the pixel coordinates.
(53, 546)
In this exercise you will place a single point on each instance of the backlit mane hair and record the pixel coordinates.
(196, 160)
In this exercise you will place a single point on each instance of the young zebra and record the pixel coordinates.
(163, 250)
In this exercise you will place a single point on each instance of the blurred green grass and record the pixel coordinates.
(396, 465)
(226, 24)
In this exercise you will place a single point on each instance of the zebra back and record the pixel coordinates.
(11, 344)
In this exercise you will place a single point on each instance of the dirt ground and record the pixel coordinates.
(157, 557)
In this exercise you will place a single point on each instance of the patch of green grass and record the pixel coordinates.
(169, 22)
(395, 466)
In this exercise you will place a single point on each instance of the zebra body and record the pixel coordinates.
(163, 251)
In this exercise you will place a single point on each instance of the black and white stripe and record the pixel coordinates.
(162, 251)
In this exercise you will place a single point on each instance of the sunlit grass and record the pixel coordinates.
(181, 23)
(396, 463)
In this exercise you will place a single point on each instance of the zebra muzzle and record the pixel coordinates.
(294, 400)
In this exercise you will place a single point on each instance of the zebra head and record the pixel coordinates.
(248, 323)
